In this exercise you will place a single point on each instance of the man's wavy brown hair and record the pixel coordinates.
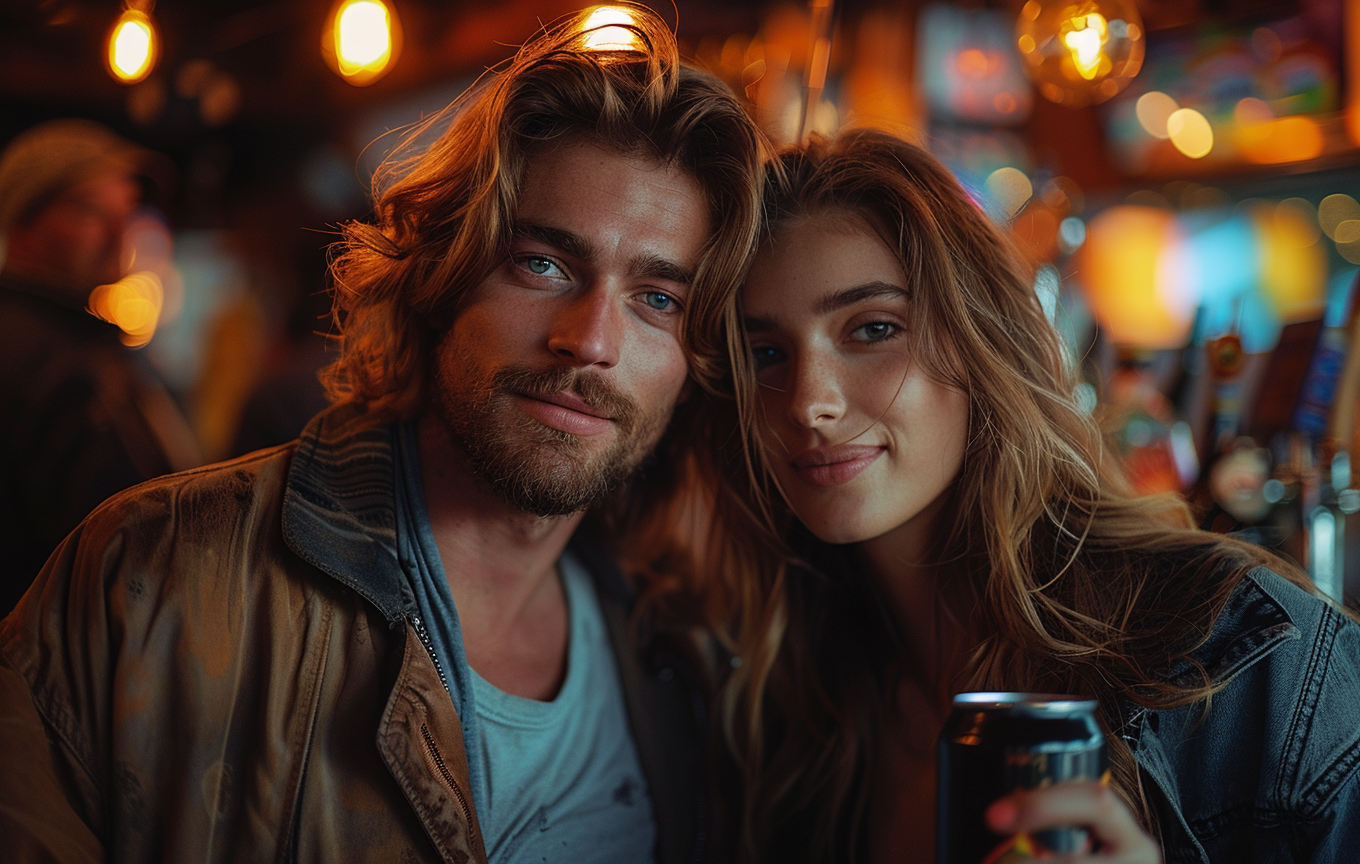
(444, 217)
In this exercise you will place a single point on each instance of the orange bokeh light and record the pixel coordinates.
(1287, 139)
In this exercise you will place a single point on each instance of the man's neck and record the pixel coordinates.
(487, 546)
(501, 566)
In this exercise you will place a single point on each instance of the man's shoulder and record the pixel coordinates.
(209, 496)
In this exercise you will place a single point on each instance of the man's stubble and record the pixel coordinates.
(533, 467)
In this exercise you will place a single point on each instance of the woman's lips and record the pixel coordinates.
(832, 466)
(564, 411)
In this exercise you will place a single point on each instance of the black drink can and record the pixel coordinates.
(994, 743)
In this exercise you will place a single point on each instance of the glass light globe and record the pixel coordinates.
(1080, 52)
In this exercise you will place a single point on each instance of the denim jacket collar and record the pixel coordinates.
(339, 513)
(339, 507)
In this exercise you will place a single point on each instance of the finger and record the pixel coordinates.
(1089, 805)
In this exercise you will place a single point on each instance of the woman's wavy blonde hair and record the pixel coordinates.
(1076, 584)
(444, 217)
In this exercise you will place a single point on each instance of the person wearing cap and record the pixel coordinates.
(81, 415)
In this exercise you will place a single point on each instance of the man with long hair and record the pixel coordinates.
(389, 640)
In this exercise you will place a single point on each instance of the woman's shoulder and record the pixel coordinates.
(1278, 734)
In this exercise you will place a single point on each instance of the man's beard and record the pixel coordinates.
(533, 467)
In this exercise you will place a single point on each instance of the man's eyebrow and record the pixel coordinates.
(573, 244)
(656, 267)
(876, 290)
(644, 266)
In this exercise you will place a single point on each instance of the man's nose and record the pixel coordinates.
(815, 398)
(587, 329)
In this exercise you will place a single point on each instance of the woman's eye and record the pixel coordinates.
(660, 301)
(875, 331)
(765, 356)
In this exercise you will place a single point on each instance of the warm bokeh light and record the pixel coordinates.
(1288, 139)
(1010, 188)
(1190, 132)
(363, 37)
(1080, 53)
(1135, 289)
(1085, 37)
(1339, 216)
(132, 47)
(1293, 265)
(362, 40)
(1335, 210)
(133, 303)
(1154, 109)
(603, 30)
(1250, 111)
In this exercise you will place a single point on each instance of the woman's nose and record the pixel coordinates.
(815, 397)
(586, 330)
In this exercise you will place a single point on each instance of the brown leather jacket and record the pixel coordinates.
(221, 666)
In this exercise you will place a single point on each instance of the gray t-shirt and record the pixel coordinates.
(556, 781)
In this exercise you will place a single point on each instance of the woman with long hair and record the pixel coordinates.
(911, 505)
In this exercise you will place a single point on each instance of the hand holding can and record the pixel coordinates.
(1023, 776)
(1118, 839)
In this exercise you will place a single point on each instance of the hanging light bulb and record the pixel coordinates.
(1080, 53)
(133, 46)
(606, 28)
(361, 40)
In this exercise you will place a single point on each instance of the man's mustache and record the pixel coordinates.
(591, 387)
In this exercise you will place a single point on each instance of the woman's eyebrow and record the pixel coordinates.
(876, 290)
(753, 324)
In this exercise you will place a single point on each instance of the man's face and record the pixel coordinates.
(562, 368)
(77, 240)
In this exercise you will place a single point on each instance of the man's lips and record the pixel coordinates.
(832, 466)
(565, 411)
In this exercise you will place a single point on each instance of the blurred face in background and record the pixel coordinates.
(77, 240)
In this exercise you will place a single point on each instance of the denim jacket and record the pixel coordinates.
(1270, 772)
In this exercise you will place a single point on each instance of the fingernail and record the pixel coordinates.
(1001, 815)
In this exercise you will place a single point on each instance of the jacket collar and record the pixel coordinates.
(339, 512)
(1251, 625)
(339, 507)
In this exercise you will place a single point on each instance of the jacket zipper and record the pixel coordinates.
(425, 730)
(429, 648)
(448, 778)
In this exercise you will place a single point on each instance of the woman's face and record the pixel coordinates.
(862, 440)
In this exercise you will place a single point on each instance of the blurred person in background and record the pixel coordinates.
(81, 415)
(388, 640)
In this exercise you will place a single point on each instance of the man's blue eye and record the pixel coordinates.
(538, 265)
(658, 301)
(765, 355)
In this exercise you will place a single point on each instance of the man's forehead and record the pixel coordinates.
(583, 197)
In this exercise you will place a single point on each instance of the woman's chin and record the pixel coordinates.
(839, 532)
